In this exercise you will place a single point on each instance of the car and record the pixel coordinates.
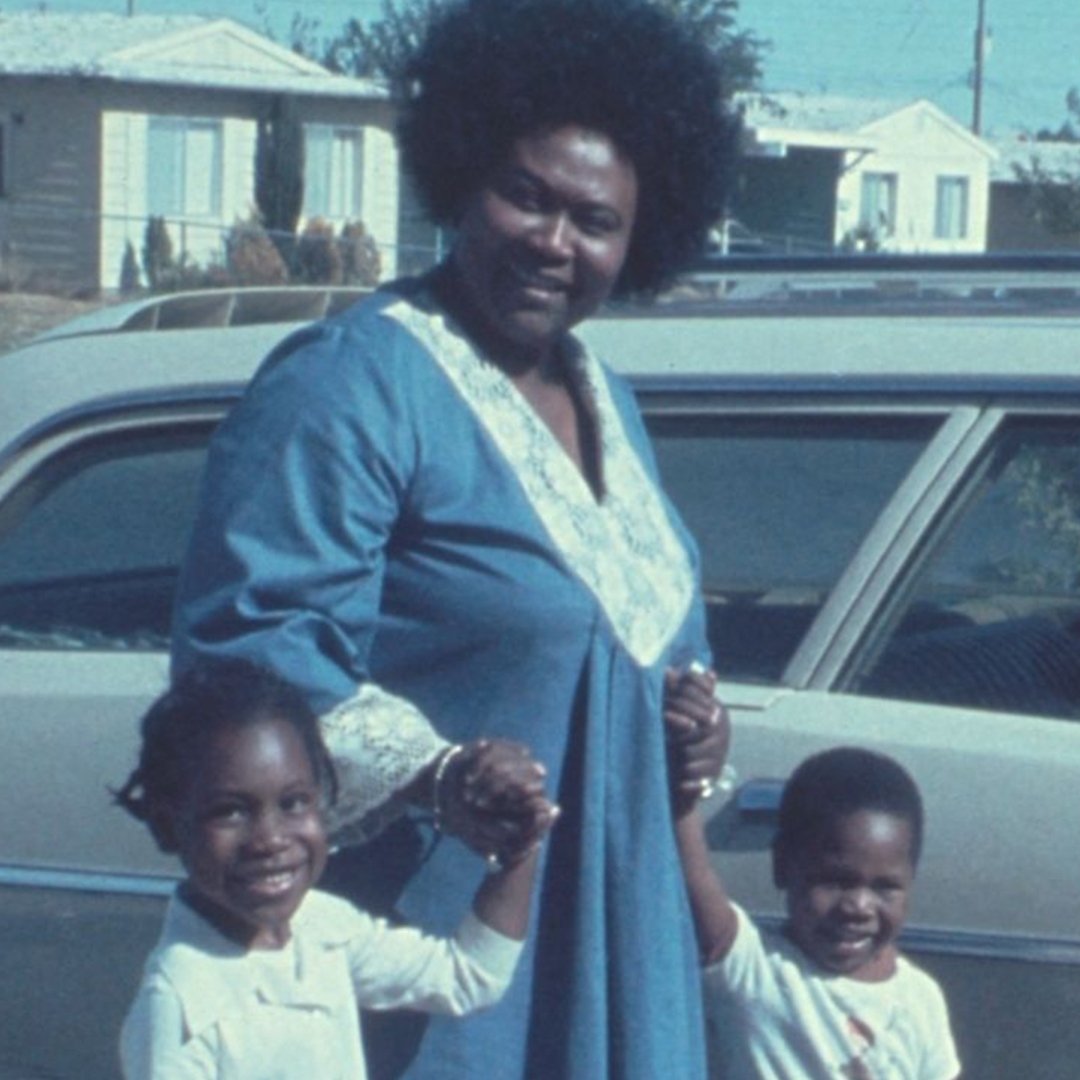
(887, 501)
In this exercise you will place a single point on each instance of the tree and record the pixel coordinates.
(382, 47)
(739, 51)
(279, 173)
(1053, 194)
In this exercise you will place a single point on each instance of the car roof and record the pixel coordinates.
(152, 351)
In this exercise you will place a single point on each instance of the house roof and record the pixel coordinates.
(832, 121)
(1021, 150)
(189, 50)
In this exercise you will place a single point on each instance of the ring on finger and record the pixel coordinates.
(706, 787)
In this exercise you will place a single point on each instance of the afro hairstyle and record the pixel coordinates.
(490, 72)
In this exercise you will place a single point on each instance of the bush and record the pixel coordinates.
(361, 263)
(129, 270)
(159, 263)
(318, 256)
(251, 257)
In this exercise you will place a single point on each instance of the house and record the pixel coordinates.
(823, 171)
(1014, 225)
(106, 120)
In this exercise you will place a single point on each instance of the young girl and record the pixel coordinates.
(830, 995)
(257, 975)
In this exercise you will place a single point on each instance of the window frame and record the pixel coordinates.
(179, 130)
(948, 226)
(889, 182)
(965, 482)
(325, 196)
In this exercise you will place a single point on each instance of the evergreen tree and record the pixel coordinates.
(279, 173)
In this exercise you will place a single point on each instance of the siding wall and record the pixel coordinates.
(76, 173)
(49, 213)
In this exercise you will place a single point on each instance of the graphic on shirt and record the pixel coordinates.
(862, 1036)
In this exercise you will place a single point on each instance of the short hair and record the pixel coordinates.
(210, 697)
(840, 782)
(490, 72)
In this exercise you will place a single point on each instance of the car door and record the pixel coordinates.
(944, 633)
(93, 516)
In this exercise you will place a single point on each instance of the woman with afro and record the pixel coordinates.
(438, 514)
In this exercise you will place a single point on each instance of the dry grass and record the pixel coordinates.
(22, 315)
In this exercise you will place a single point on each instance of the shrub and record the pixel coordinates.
(129, 270)
(251, 257)
(361, 263)
(159, 263)
(318, 257)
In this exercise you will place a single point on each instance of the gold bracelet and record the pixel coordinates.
(437, 808)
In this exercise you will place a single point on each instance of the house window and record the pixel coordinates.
(877, 209)
(183, 174)
(951, 208)
(333, 168)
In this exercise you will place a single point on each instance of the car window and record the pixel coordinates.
(90, 542)
(778, 505)
(993, 621)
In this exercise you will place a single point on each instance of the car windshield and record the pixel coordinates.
(173, 145)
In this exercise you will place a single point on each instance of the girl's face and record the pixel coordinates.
(250, 833)
(847, 893)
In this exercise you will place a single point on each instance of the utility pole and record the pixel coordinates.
(980, 57)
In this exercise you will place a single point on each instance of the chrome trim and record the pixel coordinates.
(846, 610)
(973, 943)
(132, 410)
(25, 877)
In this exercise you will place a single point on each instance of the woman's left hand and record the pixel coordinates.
(698, 735)
(491, 796)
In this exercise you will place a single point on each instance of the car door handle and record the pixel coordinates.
(759, 798)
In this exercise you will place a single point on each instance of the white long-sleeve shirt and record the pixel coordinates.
(209, 1008)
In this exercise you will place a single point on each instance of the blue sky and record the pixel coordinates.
(896, 49)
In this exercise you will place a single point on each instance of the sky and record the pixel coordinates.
(894, 49)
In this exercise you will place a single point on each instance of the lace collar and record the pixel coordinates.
(623, 546)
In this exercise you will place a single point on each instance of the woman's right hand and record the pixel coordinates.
(490, 795)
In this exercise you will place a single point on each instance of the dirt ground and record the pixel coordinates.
(22, 315)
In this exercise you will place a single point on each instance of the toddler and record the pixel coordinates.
(830, 995)
(258, 975)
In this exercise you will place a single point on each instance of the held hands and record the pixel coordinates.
(698, 735)
(490, 794)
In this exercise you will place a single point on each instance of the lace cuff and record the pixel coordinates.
(379, 742)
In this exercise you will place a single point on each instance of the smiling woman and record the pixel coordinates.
(439, 515)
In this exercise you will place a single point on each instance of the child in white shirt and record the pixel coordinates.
(830, 996)
(258, 976)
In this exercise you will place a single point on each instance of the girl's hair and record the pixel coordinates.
(840, 782)
(490, 72)
(179, 726)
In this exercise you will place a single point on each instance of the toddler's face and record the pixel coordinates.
(847, 894)
(250, 831)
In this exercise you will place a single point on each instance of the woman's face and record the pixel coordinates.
(542, 244)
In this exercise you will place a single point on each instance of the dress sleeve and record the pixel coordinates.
(402, 967)
(305, 483)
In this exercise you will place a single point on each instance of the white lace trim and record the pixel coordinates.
(378, 742)
(623, 547)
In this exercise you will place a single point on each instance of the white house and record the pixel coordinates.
(830, 170)
(106, 120)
